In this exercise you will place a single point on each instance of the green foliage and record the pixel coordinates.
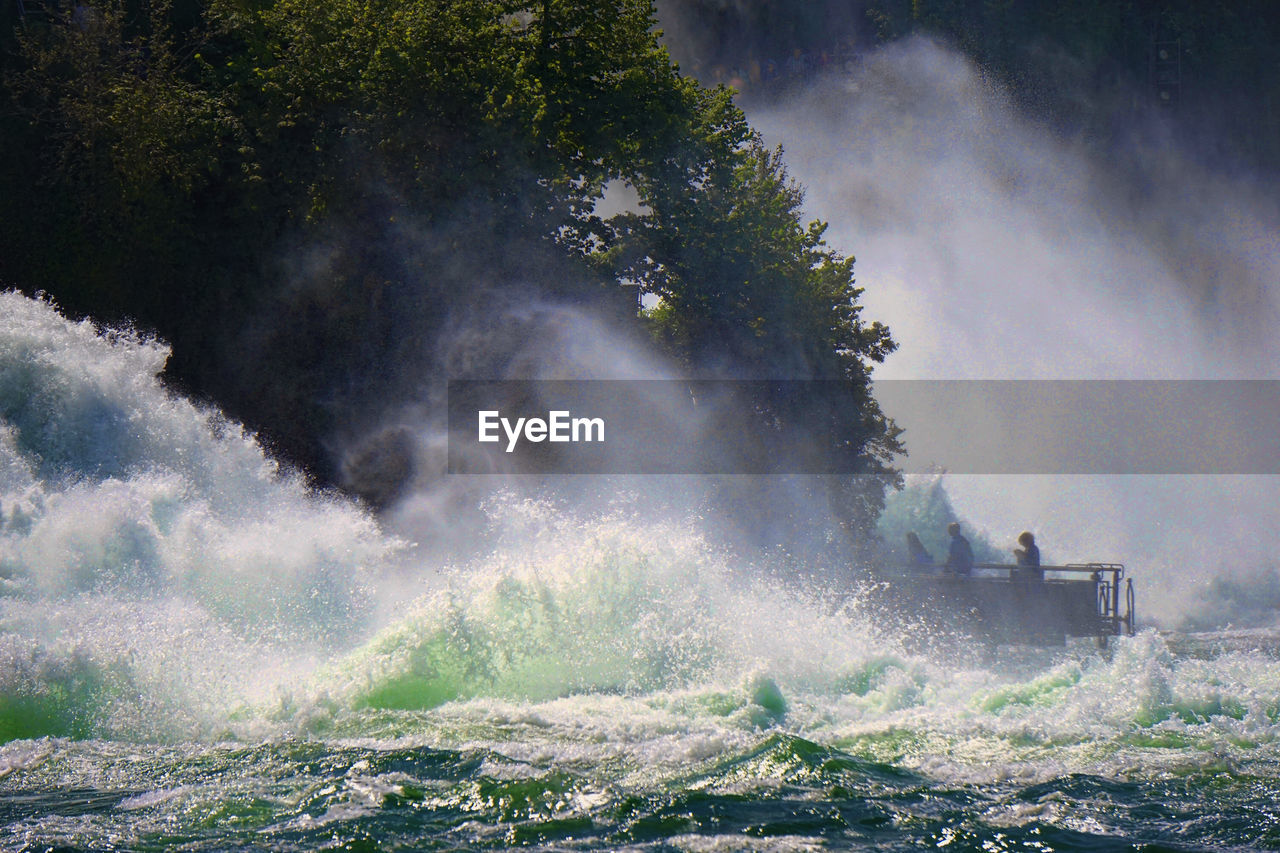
(113, 144)
(746, 290)
(324, 185)
(924, 507)
(741, 280)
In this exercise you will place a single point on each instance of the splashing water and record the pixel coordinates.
(196, 652)
(154, 560)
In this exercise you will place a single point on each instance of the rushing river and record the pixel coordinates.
(199, 652)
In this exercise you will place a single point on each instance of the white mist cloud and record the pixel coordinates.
(995, 248)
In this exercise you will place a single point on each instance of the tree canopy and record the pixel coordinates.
(323, 186)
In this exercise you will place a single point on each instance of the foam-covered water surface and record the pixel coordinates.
(198, 652)
(1187, 761)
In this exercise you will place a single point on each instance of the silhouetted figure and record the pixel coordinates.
(1028, 557)
(960, 556)
(920, 556)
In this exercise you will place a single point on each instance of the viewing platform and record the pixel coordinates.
(1007, 604)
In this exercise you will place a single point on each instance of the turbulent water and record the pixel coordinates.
(198, 652)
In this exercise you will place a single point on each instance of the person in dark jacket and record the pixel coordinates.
(960, 556)
(1028, 557)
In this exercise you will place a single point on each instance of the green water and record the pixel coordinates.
(974, 761)
(198, 652)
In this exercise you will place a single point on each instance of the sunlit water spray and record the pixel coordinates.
(996, 249)
(158, 568)
(198, 651)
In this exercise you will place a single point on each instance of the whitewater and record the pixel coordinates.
(198, 651)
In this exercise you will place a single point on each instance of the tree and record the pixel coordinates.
(302, 196)
(318, 185)
(745, 290)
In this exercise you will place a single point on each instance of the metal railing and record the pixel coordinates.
(1115, 591)
(1112, 611)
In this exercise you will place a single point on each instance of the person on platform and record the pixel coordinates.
(920, 556)
(1028, 558)
(960, 555)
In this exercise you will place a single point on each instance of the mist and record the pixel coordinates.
(994, 243)
(997, 247)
